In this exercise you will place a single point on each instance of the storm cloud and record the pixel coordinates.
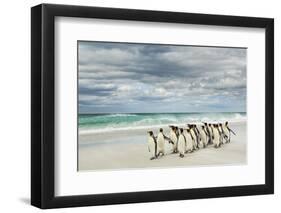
(136, 78)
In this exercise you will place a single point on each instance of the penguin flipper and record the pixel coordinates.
(231, 131)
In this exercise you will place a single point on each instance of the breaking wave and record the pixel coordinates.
(89, 123)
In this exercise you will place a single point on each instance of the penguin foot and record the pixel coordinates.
(152, 158)
(181, 155)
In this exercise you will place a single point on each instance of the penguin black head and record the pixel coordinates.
(205, 124)
(181, 130)
(189, 125)
(150, 133)
(172, 127)
(220, 124)
(210, 125)
(176, 128)
(188, 130)
(226, 123)
(161, 130)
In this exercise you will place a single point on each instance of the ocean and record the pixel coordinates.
(125, 121)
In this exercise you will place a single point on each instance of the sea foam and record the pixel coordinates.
(98, 123)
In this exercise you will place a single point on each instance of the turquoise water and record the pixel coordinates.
(109, 122)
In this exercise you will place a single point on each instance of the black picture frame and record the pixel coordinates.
(43, 102)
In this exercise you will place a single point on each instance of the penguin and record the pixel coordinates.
(199, 133)
(171, 126)
(203, 134)
(177, 131)
(160, 143)
(198, 136)
(224, 138)
(181, 143)
(211, 133)
(188, 141)
(207, 133)
(216, 136)
(220, 134)
(228, 130)
(174, 138)
(152, 145)
(193, 134)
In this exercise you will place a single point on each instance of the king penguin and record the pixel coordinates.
(181, 143)
(228, 130)
(174, 138)
(194, 137)
(152, 145)
(188, 141)
(203, 134)
(211, 133)
(224, 138)
(161, 142)
(199, 136)
(207, 133)
(216, 136)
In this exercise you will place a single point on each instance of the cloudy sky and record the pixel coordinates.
(142, 78)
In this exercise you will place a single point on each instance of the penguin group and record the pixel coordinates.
(190, 138)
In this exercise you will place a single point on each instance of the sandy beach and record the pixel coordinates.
(127, 149)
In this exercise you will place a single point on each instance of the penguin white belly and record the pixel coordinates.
(151, 147)
(161, 143)
(181, 144)
(188, 142)
(174, 139)
(216, 137)
(203, 137)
